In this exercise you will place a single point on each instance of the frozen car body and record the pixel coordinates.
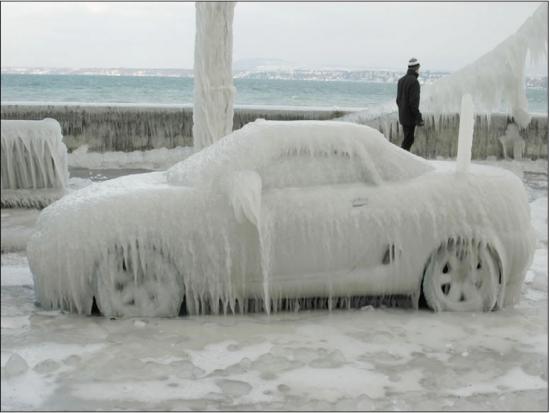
(272, 212)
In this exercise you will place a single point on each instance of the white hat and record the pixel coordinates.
(413, 62)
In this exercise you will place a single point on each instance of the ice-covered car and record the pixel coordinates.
(280, 213)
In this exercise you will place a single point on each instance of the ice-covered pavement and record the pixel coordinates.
(374, 358)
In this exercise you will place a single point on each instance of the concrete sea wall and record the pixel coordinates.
(495, 135)
(129, 127)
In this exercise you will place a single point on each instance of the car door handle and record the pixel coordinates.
(359, 202)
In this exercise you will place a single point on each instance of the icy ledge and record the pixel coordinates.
(34, 162)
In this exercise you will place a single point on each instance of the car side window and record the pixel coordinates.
(300, 169)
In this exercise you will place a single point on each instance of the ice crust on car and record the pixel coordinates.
(352, 152)
(238, 225)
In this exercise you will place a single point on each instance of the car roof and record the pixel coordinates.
(262, 142)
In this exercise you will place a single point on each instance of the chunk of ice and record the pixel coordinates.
(234, 388)
(15, 366)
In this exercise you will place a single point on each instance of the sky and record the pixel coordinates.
(443, 36)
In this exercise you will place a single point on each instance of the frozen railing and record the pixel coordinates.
(34, 163)
(127, 128)
(493, 135)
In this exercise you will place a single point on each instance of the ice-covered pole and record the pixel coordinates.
(465, 134)
(213, 88)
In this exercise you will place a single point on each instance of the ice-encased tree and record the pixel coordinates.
(213, 78)
(497, 76)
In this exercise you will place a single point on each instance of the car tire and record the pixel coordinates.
(144, 282)
(462, 275)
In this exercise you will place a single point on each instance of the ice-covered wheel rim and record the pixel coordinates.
(462, 276)
(138, 282)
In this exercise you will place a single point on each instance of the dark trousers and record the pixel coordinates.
(408, 140)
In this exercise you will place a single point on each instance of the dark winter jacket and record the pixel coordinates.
(408, 99)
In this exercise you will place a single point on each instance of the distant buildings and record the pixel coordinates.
(267, 72)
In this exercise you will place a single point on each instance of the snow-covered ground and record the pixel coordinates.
(368, 359)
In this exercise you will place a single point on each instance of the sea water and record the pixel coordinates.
(179, 90)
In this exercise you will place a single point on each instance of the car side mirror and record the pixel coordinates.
(244, 190)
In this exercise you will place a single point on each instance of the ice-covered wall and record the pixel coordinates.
(129, 128)
(113, 127)
(439, 135)
(34, 162)
(498, 76)
(213, 81)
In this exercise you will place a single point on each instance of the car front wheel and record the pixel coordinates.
(138, 282)
(462, 275)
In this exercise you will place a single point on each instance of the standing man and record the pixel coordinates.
(408, 100)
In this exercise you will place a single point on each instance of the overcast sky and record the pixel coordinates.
(443, 36)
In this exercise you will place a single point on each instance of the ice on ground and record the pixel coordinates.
(515, 379)
(15, 322)
(234, 388)
(17, 227)
(29, 376)
(17, 223)
(381, 359)
(17, 268)
(154, 159)
(15, 366)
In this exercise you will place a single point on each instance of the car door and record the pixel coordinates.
(321, 228)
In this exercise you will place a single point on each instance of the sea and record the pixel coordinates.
(98, 89)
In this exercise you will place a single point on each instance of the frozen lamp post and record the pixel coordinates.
(465, 134)
(213, 78)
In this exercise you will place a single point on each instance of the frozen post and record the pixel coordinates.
(465, 134)
(214, 91)
(34, 163)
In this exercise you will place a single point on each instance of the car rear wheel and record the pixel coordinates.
(462, 276)
(143, 282)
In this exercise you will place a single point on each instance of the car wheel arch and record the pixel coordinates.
(496, 250)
